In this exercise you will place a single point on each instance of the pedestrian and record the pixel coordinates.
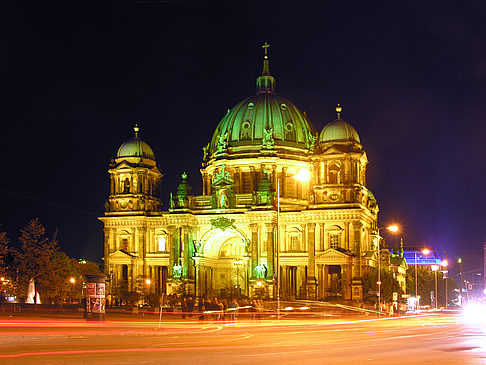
(254, 309)
(190, 306)
(232, 309)
(200, 305)
(183, 307)
(223, 305)
(215, 309)
(207, 307)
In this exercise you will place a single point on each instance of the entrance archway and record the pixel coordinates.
(223, 264)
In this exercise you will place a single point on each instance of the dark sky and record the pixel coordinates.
(409, 74)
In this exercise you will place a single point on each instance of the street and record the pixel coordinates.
(436, 338)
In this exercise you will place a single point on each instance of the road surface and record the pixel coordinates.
(429, 339)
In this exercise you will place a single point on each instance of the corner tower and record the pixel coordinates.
(134, 180)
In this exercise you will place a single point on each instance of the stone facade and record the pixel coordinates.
(253, 211)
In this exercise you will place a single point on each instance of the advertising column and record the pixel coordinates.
(95, 297)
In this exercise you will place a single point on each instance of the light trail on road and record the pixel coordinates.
(427, 339)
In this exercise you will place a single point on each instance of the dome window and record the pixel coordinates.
(245, 131)
(289, 131)
(251, 106)
(283, 106)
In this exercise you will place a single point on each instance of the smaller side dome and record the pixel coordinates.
(135, 148)
(338, 130)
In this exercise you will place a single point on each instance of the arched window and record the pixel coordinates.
(333, 174)
(126, 186)
(334, 236)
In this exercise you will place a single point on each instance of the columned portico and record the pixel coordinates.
(334, 274)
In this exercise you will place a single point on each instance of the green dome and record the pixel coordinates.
(338, 130)
(135, 148)
(264, 121)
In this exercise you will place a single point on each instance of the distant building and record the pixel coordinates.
(432, 258)
(225, 241)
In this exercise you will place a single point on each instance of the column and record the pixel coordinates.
(237, 180)
(283, 182)
(270, 249)
(186, 257)
(326, 280)
(240, 179)
(357, 249)
(143, 248)
(173, 248)
(349, 281)
(346, 235)
(254, 249)
(106, 232)
(311, 262)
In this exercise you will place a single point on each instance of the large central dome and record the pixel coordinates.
(263, 122)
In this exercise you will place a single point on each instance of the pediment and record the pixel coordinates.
(123, 166)
(332, 254)
(333, 151)
(120, 255)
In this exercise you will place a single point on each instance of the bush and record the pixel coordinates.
(153, 300)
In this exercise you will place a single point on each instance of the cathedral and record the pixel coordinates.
(284, 210)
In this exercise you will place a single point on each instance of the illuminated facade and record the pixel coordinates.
(225, 241)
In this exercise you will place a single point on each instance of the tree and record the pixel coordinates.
(388, 285)
(426, 285)
(6, 283)
(39, 259)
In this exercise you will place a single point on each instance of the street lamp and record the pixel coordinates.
(459, 260)
(72, 280)
(148, 282)
(435, 268)
(444, 264)
(425, 251)
(302, 176)
(392, 228)
(237, 263)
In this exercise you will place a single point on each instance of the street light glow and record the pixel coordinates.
(425, 251)
(392, 228)
(148, 281)
(72, 280)
(303, 175)
(444, 263)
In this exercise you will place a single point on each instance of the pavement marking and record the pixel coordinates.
(210, 329)
(242, 337)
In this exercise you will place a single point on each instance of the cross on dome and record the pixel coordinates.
(338, 111)
(265, 47)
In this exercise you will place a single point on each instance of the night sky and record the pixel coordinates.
(410, 76)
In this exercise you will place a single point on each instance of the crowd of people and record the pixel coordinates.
(217, 309)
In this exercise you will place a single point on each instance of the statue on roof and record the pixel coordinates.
(222, 142)
(268, 141)
(205, 152)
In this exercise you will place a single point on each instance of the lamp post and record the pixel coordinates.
(425, 252)
(444, 264)
(148, 282)
(72, 280)
(302, 176)
(392, 228)
(435, 268)
(237, 263)
(459, 260)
